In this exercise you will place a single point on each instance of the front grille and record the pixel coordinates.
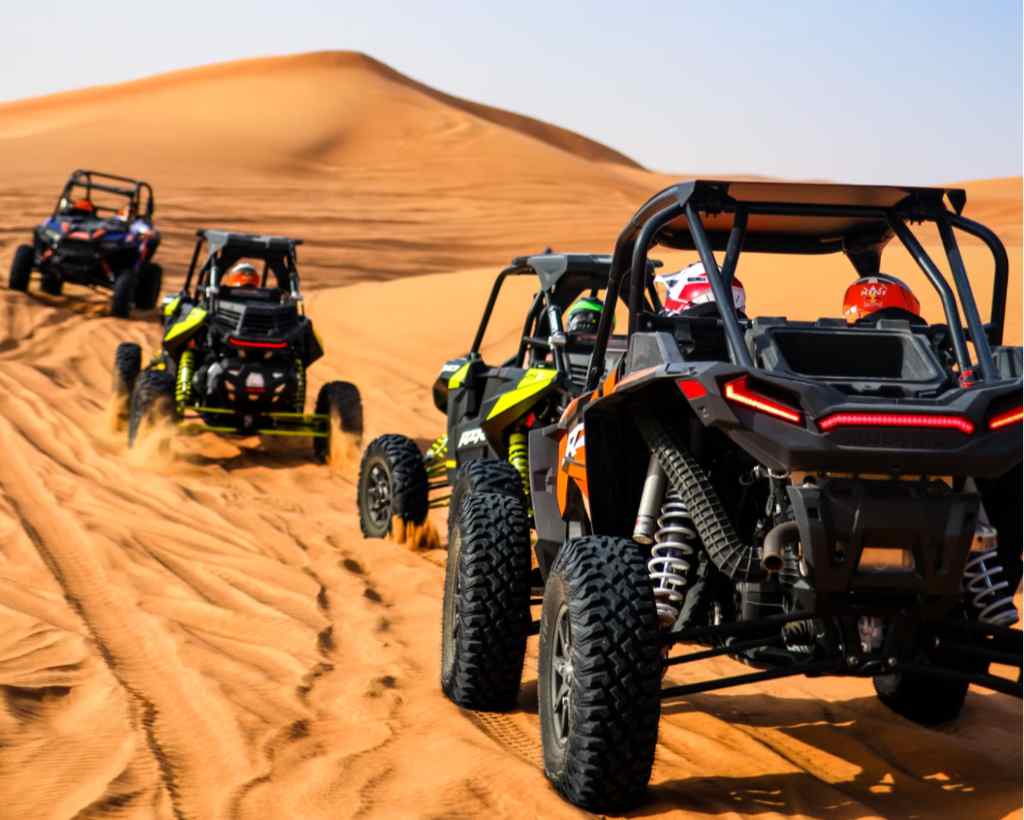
(256, 319)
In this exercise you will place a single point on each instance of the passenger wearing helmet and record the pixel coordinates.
(688, 291)
(584, 316)
(881, 296)
(241, 275)
(79, 207)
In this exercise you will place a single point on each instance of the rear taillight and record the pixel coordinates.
(691, 388)
(739, 391)
(257, 345)
(916, 420)
(1014, 416)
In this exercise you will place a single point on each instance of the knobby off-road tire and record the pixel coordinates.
(486, 614)
(127, 363)
(342, 402)
(21, 268)
(923, 699)
(488, 475)
(152, 401)
(147, 288)
(600, 674)
(51, 283)
(123, 294)
(392, 484)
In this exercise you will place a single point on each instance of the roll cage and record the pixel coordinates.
(804, 218)
(562, 278)
(224, 249)
(138, 193)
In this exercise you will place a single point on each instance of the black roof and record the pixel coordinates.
(791, 217)
(250, 244)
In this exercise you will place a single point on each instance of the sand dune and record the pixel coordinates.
(208, 636)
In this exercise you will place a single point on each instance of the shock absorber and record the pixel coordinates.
(436, 457)
(990, 592)
(300, 387)
(518, 457)
(674, 546)
(183, 384)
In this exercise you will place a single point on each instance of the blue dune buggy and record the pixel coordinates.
(100, 234)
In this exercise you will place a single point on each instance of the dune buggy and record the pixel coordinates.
(806, 497)
(490, 408)
(234, 360)
(100, 234)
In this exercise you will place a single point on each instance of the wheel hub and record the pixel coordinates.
(562, 676)
(378, 494)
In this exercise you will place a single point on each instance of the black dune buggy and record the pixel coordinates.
(490, 408)
(808, 498)
(100, 234)
(234, 359)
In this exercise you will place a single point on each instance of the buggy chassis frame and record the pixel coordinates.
(673, 218)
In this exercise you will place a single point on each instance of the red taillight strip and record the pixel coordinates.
(1014, 416)
(260, 345)
(739, 391)
(691, 388)
(925, 421)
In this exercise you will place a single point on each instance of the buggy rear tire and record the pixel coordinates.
(392, 484)
(127, 363)
(21, 268)
(123, 294)
(486, 475)
(600, 674)
(923, 699)
(51, 283)
(147, 288)
(152, 401)
(342, 402)
(486, 611)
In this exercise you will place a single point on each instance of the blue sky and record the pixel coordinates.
(913, 92)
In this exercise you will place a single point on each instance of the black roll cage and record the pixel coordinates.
(224, 248)
(867, 216)
(135, 191)
(562, 277)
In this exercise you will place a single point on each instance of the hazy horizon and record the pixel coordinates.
(922, 93)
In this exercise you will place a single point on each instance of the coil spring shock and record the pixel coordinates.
(436, 457)
(992, 596)
(670, 557)
(300, 387)
(518, 457)
(183, 384)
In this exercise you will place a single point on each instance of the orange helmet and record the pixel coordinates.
(83, 205)
(242, 275)
(871, 293)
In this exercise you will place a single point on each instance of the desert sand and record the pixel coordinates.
(206, 634)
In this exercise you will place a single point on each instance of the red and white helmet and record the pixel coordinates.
(690, 287)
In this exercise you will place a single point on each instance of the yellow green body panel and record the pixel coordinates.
(192, 320)
(458, 377)
(535, 381)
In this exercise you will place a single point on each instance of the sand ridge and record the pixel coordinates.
(208, 636)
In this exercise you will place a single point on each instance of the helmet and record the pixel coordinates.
(584, 315)
(690, 287)
(872, 293)
(83, 205)
(241, 275)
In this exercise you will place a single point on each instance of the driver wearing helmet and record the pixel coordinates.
(83, 207)
(688, 292)
(881, 296)
(241, 275)
(584, 316)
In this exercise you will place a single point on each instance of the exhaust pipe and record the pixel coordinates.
(650, 503)
(771, 554)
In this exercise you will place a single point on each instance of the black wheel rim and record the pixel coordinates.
(561, 678)
(452, 616)
(378, 495)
